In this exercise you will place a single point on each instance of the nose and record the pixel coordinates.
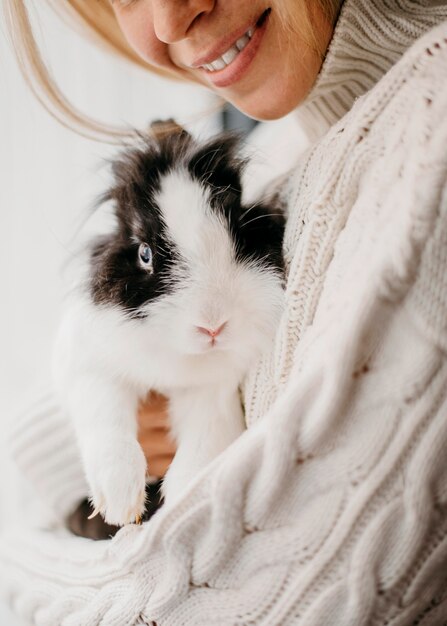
(173, 19)
(211, 332)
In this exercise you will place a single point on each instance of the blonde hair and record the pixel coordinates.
(97, 21)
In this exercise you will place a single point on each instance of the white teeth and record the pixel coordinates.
(242, 42)
(218, 64)
(229, 56)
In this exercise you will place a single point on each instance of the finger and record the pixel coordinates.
(156, 442)
(159, 432)
(158, 466)
(155, 402)
(148, 420)
(154, 413)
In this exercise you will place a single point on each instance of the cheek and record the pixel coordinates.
(137, 27)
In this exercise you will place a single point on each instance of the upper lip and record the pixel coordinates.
(223, 45)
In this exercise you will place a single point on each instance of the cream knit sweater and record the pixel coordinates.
(331, 510)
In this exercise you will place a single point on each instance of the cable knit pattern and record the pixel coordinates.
(331, 508)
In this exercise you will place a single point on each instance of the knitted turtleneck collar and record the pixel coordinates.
(369, 37)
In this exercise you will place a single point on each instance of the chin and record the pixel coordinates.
(263, 108)
(266, 113)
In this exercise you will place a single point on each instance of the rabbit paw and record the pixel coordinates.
(175, 482)
(117, 479)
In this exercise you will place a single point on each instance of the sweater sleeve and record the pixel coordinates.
(43, 445)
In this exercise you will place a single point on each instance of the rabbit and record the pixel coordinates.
(180, 297)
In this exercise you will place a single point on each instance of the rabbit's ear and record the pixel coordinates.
(220, 153)
(161, 129)
(170, 138)
(218, 166)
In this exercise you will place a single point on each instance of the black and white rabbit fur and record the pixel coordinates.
(180, 298)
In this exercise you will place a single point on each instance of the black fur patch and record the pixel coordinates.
(257, 230)
(117, 277)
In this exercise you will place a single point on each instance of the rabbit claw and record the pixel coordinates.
(95, 513)
(118, 488)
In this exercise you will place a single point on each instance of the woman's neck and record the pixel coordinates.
(369, 38)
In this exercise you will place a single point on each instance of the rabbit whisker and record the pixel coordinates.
(259, 217)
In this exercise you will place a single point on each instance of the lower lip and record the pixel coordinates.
(236, 70)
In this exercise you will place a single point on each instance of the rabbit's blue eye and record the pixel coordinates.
(145, 256)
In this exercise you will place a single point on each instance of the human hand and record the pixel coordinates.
(153, 434)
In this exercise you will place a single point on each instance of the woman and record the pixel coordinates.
(331, 509)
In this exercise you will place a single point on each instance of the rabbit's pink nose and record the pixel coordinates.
(211, 332)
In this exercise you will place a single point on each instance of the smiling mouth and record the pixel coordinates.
(230, 55)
